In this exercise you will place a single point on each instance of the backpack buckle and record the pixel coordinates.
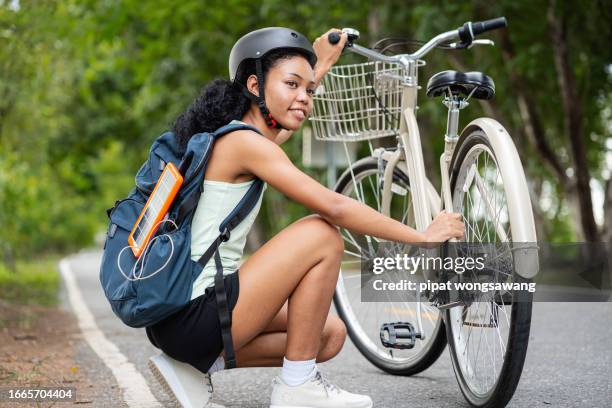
(225, 235)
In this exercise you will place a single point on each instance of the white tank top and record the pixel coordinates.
(218, 199)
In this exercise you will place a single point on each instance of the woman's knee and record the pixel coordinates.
(326, 235)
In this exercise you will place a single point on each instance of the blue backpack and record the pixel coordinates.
(163, 282)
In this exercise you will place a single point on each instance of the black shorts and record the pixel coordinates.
(193, 334)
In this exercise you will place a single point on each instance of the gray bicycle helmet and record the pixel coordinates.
(255, 45)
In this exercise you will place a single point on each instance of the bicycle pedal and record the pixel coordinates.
(398, 335)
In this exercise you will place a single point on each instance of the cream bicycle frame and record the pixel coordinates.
(409, 156)
(492, 142)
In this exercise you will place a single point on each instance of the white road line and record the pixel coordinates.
(136, 392)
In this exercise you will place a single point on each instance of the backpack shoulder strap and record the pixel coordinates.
(243, 208)
(231, 127)
(239, 213)
(193, 199)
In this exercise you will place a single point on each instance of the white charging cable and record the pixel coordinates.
(134, 276)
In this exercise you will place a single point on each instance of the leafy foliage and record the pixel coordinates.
(85, 86)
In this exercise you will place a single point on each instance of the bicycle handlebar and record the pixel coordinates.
(469, 30)
(333, 38)
(465, 33)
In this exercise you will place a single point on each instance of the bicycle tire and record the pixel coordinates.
(507, 380)
(436, 341)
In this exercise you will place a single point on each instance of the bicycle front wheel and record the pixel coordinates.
(488, 335)
(362, 181)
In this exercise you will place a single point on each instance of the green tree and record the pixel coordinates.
(86, 86)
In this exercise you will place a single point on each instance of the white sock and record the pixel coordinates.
(218, 365)
(298, 372)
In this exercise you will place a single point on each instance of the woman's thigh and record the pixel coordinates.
(272, 273)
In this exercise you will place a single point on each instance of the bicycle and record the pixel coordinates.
(482, 178)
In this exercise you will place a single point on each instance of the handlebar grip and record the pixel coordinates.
(471, 30)
(333, 38)
(488, 25)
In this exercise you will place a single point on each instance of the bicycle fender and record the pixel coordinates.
(525, 250)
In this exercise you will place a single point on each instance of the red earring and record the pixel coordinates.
(272, 123)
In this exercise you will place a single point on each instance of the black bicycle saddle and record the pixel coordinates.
(461, 83)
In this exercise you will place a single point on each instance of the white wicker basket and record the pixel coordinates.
(358, 102)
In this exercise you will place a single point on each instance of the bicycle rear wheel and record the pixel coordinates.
(362, 181)
(488, 337)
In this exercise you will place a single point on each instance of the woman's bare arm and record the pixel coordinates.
(269, 162)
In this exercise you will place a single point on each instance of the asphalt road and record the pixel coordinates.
(569, 361)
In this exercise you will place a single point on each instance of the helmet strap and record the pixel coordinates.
(261, 99)
(270, 121)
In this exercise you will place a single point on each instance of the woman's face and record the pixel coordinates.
(289, 88)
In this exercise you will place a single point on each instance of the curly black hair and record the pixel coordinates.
(222, 101)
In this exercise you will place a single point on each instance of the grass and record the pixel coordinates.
(35, 282)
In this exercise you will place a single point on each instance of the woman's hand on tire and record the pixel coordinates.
(443, 227)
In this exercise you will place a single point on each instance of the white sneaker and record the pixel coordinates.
(317, 392)
(188, 386)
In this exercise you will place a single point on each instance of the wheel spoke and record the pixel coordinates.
(481, 331)
(366, 318)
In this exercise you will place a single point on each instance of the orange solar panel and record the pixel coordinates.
(155, 209)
